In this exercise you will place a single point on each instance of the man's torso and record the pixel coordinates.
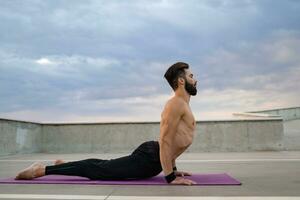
(184, 135)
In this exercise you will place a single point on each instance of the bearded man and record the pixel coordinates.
(150, 158)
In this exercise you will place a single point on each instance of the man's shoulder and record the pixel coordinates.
(176, 103)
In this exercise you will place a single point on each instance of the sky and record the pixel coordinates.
(104, 61)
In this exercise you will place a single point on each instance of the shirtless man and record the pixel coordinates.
(177, 128)
(177, 122)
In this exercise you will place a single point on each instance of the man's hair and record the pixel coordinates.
(174, 72)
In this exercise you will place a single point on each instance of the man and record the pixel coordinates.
(177, 128)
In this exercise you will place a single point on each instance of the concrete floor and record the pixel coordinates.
(261, 173)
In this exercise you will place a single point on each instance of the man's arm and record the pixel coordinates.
(173, 112)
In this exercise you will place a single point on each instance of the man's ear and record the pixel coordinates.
(181, 81)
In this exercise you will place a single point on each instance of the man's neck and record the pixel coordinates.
(182, 93)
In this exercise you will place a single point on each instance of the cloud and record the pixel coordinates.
(276, 55)
(106, 59)
(107, 110)
(44, 61)
(138, 28)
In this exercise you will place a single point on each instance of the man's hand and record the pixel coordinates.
(179, 173)
(182, 181)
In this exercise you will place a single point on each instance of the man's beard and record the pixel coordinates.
(191, 89)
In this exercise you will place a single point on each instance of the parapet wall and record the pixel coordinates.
(211, 136)
(287, 114)
(19, 137)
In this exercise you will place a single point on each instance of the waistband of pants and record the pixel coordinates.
(150, 150)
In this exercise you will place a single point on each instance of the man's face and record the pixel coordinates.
(190, 83)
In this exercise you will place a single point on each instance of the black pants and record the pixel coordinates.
(143, 163)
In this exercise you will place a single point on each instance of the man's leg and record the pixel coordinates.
(134, 166)
(127, 167)
(75, 168)
(35, 170)
(85, 168)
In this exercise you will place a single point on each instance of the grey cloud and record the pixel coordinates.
(27, 84)
(228, 68)
(129, 30)
(229, 44)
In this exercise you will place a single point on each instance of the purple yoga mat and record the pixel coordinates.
(200, 179)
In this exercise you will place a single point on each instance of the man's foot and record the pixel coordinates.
(58, 162)
(33, 171)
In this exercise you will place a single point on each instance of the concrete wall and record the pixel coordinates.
(286, 113)
(214, 136)
(19, 137)
(292, 135)
(291, 124)
(98, 137)
(234, 135)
